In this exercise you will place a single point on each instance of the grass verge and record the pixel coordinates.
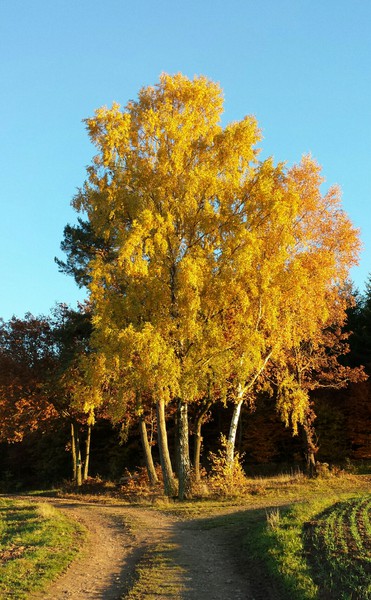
(37, 544)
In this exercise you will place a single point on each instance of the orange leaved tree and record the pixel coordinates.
(26, 362)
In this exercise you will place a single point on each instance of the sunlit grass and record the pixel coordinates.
(37, 543)
(265, 492)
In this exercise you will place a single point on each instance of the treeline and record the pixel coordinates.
(219, 299)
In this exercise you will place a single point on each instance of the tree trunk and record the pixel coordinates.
(87, 453)
(183, 445)
(76, 454)
(167, 470)
(198, 439)
(242, 390)
(73, 452)
(310, 447)
(233, 430)
(176, 453)
(78, 462)
(237, 410)
(152, 475)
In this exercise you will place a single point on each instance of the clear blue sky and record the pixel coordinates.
(303, 68)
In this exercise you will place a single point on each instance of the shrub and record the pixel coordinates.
(225, 478)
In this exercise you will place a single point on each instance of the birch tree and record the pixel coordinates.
(215, 262)
(155, 193)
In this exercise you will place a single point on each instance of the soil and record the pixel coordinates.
(207, 559)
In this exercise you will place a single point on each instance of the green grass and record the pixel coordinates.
(339, 546)
(37, 544)
(315, 549)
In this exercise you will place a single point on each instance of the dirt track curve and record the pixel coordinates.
(206, 562)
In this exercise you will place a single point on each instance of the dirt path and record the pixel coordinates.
(212, 561)
(202, 561)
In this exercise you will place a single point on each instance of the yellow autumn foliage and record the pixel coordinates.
(219, 261)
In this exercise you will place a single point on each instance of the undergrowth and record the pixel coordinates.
(226, 478)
